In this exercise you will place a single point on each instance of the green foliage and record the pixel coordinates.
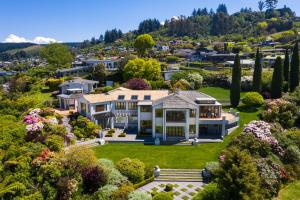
(55, 142)
(280, 111)
(292, 154)
(140, 68)
(235, 89)
(84, 128)
(210, 192)
(105, 192)
(57, 55)
(149, 25)
(294, 72)
(53, 83)
(122, 192)
(194, 79)
(254, 146)
(137, 195)
(286, 66)
(277, 79)
(238, 177)
(163, 196)
(169, 187)
(257, 73)
(134, 169)
(143, 43)
(253, 99)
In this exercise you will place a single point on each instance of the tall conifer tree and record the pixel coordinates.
(235, 89)
(277, 79)
(294, 73)
(257, 73)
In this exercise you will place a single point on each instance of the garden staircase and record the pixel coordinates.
(180, 175)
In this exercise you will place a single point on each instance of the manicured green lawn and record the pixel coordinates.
(181, 157)
(219, 93)
(291, 192)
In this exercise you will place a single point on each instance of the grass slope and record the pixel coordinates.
(291, 192)
(218, 93)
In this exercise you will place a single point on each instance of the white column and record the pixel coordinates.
(187, 124)
(197, 123)
(153, 122)
(139, 119)
(223, 126)
(164, 125)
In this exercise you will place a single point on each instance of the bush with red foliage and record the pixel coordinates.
(93, 178)
(138, 84)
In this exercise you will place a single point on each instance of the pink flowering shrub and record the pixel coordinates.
(271, 176)
(262, 131)
(281, 111)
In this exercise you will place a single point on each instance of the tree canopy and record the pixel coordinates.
(57, 55)
(148, 69)
(143, 43)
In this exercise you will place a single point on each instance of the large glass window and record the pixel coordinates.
(192, 129)
(132, 106)
(159, 113)
(176, 116)
(175, 131)
(120, 105)
(146, 125)
(210, 111)
(159, 129)
(146, 108)
(192, 113)
(100, 108)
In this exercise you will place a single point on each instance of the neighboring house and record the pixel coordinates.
(74, 71)
(110, 64)
(71, 90)
(243, 63)
(171, 69)
(159, 113)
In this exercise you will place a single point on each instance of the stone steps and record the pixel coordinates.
(180, 175)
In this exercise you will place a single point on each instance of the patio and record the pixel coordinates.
(181, 190)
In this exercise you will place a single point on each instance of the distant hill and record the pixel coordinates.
(11, 46)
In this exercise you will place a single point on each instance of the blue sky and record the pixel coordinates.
(76, 20)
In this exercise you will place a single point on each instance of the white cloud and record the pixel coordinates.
(12, 38)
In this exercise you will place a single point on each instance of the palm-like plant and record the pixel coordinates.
(9, 187)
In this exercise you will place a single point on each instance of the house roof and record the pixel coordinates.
(195, 95)
(127, 93)
(78, 80)
(176, 100)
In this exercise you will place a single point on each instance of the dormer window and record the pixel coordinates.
(134, 97)
(121, 97)
(147, 97)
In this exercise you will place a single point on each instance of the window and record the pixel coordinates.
(146, 126)
(159, 113)
(175, 131)
(210, 111)
(134, 97)
(192, 129)
(192, 113)
(146, 108)
(159, 129)
(100, 108)
(147, 97)
(120, 106)
(83, 107)
(132, 106)
(121, 97)
(176, 116)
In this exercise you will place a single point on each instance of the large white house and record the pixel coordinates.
(160, 113)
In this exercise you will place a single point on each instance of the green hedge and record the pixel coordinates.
(144, 182)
